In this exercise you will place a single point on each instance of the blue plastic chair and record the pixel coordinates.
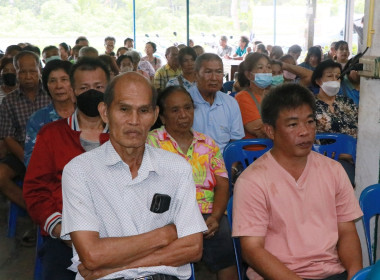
(362, 274)
(227, 86)
(343, 144)
(38, 262)
(241, 151)
(14, 212)
(233, 94)
(369, 203)
(192, 277)
(241, 266)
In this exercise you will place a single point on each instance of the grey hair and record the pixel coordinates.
(21, 54)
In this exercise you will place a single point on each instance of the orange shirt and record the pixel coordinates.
(248, 109)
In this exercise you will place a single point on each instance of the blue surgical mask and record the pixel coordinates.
(277, 80)
(54, 57)
(263, 80)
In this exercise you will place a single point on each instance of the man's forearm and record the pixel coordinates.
(112, 252)
(349, 249)
(267, 265)
(181, 251)
(14, 147)
(221, 196)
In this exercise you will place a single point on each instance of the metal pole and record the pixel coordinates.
(188, 21)
(274, 21)
(134, 23)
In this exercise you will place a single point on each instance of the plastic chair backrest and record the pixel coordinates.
(344, 144)
(192, 277)
(241, 268)
(227, 86)
(362, 274)
(233, 94)
(242, 151)
(369, 203)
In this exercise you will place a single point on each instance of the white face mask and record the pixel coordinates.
(331, 88)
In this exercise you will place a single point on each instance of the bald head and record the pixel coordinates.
(127, 81)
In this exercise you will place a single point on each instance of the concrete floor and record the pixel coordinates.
(17, 262)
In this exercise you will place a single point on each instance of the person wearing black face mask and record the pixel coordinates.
(8, 75)
(58, 143)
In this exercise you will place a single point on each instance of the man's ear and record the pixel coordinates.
(102, 108)
(269, 130)
(156, 113)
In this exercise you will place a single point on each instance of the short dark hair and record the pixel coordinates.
(276, 52)
(168, 50)
(21, 54)
(109, 94)
(4, 61)
(339, 44)
(122, 57)
(286, 96)
(120, 49)
(314, 51)
(294, 49)
(65, 46)
(247, 65)
(286, 57)
(88, 64)
(262, 48)
(166, 93)
(12, 48)
(77, 47)
(154, 46)
(318, 72)
(186, 51)
(128, 39)
(206, 57)
(32, 48)
(245, 40)
(80, 38)
(109, 38)
(49, 48)
(52, 66)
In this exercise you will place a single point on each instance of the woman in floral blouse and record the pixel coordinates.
(209, 173)
(335, 113)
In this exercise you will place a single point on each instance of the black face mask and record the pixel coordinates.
(88, 102)
(9, 79)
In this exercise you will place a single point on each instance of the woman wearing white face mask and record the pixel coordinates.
(255, 77)
(335, 113)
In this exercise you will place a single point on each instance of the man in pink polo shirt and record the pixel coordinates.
(294, 209)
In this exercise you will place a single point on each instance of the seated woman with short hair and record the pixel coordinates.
(335, 113)
(312, 59)
(209, 173)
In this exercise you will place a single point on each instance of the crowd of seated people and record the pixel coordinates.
(194, 112)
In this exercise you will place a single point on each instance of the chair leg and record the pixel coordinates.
(38, 261)
(12, 220)
(14, 212)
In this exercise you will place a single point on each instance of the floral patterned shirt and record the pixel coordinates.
(203, 155)
(343, 120)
